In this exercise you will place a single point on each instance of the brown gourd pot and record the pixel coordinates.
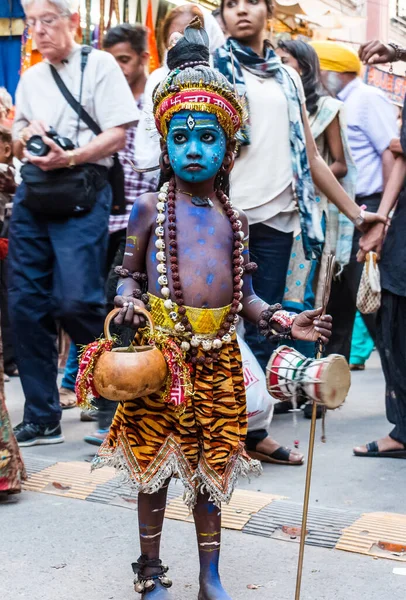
(128, 373)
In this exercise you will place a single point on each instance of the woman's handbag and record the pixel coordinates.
(369, 291)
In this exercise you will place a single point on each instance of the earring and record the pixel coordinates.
(165, 163)
(228, 163)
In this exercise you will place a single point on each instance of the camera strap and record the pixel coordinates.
(83, 115)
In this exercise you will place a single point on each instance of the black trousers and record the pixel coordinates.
(342, 305)
(391, 342)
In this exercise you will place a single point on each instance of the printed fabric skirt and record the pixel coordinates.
(12, 471)
(203, 444)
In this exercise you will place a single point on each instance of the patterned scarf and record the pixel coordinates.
(328, 109)
(233, 54)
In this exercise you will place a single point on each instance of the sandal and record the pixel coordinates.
(280, 456)
(308, 411)
(373, 450)
(146, 583)
(67, 398)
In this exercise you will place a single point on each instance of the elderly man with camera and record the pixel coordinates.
(72, 111)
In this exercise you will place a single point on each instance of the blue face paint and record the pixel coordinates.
(196, 145)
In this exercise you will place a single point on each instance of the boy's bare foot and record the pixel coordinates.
(212, 590)
(159, 593)
(150, 573)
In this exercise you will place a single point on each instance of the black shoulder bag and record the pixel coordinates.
(65, 193)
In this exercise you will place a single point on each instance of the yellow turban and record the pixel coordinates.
(337, 57)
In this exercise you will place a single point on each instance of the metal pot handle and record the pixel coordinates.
(115, 311)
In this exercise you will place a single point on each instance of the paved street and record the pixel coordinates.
(55, 547)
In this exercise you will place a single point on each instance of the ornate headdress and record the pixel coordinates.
(193, 85)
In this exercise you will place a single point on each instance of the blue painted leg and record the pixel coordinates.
(151, 577)
(208, 529)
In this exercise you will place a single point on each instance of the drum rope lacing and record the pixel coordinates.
(300, 391)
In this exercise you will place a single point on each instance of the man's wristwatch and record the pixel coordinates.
(72, 158)
(360, 220)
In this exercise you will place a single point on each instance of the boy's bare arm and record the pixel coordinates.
(308, 325)
(253, 306)
(134, 261)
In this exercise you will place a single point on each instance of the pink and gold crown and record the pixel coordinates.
(193, 85)
(199, 98)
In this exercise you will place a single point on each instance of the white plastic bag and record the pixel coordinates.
(259, 401)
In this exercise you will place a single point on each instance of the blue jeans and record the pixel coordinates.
(105, 408)
(55, 274)
(71, 368)
(270, 249)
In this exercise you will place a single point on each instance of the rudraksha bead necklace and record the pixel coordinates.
(191, 343)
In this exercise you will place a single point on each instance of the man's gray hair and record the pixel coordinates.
(68, 7)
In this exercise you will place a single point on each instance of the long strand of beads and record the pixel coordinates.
(160, 244)
(166, 201)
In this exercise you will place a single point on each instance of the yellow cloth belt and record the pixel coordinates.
(204, 321)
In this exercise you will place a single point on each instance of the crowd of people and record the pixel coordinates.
(313, 163)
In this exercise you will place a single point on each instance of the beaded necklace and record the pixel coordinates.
(176, 309)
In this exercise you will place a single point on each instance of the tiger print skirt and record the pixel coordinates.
(203, 445)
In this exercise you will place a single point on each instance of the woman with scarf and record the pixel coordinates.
(272, 178)
(329, 129)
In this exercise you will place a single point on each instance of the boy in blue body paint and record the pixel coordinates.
(203, 445)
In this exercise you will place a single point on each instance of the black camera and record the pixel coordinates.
(37, 147)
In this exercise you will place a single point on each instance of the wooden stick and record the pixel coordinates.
(312, 435)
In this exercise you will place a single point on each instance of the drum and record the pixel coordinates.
(289, 375)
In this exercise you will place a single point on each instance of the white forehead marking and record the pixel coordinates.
(190, 121)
